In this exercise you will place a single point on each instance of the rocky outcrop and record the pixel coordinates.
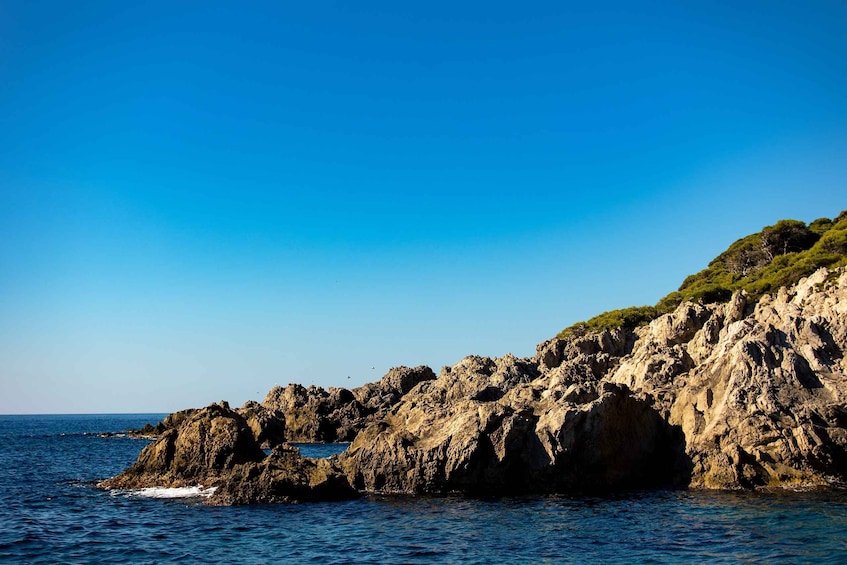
(759, 391)
(735, 395)
(381, 395)
(215, 447)
(170, 421)
(495, 426)
(204, 446)
(314, 414)
(524, 442)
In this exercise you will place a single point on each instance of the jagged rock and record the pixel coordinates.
(206, 444)
(215, 447)
(720, 396)
(170, 422)
(314, 414)
(510, 446)
(385, 393)
(756, 392)
(267, 425)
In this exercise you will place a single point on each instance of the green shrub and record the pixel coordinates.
(761, 263)
(631, 317)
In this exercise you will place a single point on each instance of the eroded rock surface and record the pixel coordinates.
(284, 476)
(734, 395)
(760, 397)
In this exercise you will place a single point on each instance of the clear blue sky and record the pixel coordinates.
(200, 200)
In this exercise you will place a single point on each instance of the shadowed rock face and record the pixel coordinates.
(758, 390)
(267, 424)
(284, 476)
(523, 442)
(716, 396)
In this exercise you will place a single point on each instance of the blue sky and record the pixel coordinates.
(202, 200)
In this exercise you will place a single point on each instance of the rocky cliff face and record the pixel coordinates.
(759, 391)
(719, 396)
(734, 395)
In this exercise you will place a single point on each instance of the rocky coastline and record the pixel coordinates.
(740, 395)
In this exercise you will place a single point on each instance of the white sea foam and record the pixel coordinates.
(176, 492)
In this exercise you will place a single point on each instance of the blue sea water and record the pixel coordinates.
(51, 512)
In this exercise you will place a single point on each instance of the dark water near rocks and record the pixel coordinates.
(50, 512)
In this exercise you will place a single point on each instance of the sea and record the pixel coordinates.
(51, 511)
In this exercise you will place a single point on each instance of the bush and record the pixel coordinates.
(631, 317)
(761, 263)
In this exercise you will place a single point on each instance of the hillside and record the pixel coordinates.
(779, 255)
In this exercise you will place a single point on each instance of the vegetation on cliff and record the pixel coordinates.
(761, 263)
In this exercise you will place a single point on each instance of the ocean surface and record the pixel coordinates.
(51, 512)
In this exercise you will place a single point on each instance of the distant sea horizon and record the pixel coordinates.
(74, 414)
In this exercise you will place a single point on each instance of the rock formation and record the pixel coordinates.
(719, 396)
(759, 391)
(735, 395)
(215, 447)
(316, 415)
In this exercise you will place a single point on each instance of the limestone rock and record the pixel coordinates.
(170, 422)
(388, 391)
(509, 446)
(315, 415)
(215, 447)
(757, 392)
